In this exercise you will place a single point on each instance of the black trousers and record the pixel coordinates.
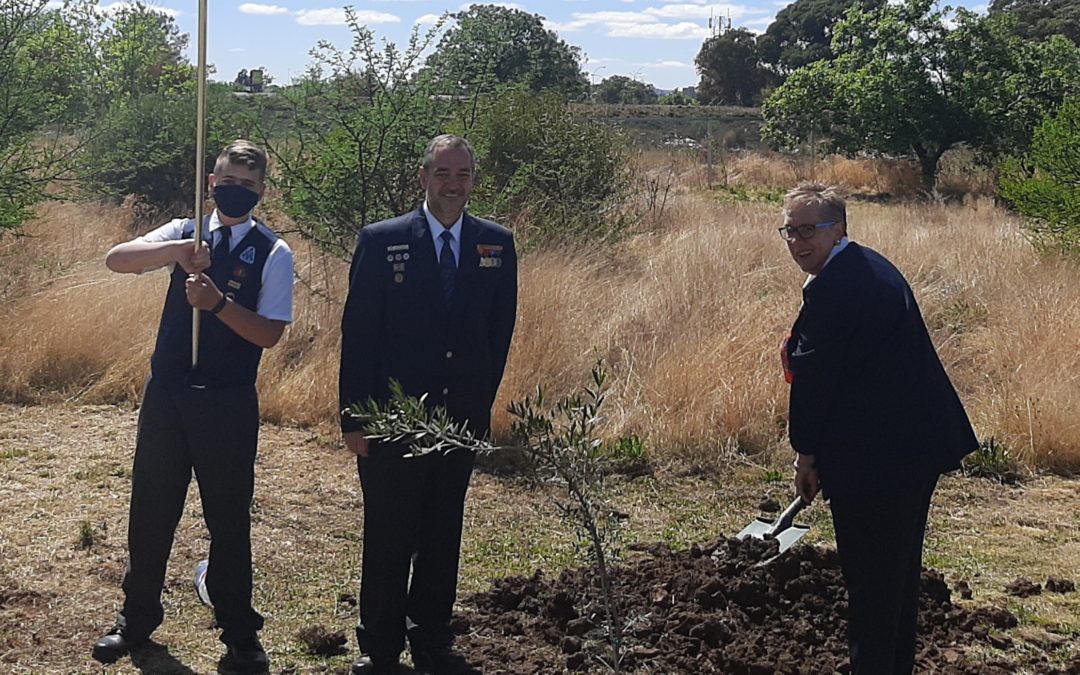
(879, 537)
(215, 432)
(413, 510)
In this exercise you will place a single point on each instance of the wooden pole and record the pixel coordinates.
(200, 166)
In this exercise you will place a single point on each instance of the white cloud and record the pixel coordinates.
(666, 64)
(687, 11)
(504, 5)
(113, 7)
(262, 10)
(427, 20)
(661, 31)
(336, 17)
(758, 25)
(651, 22)
(588, 18)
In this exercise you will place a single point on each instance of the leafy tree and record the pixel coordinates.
(1039, 19)
(145, 146)
(40, 84)
(60, 50)
(490, 45)
(802, 33)
(621, 89)
(1045, 186)
(731, 72)
(912, 80)
(540, 160)
(562, 446)
(676, 98)
(359, 125)
(141, 51)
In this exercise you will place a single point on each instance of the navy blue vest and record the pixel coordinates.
(225, 358)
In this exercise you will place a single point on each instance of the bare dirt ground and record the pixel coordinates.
(693, 603)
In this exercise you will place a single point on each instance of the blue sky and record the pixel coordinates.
(650, 40)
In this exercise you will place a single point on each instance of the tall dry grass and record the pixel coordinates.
(864, 177)
(688, 318)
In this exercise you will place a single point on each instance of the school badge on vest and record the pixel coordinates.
(248, 255)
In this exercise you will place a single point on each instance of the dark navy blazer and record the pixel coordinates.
(870, 398)
(397, 324)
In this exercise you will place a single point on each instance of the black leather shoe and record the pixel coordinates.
(115, 645)
(365, 665)
(442, 661)
(245, 656)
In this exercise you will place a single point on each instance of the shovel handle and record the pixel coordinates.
(788, 516)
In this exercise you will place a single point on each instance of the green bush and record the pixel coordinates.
(993, 460)
(1045, 185)
(361, 119)
(145, 146)
(359, 123)
(562, 176)
(356, 163)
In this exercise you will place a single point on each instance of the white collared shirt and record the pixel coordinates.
(436, 228)
(238, 232)
(275, 295)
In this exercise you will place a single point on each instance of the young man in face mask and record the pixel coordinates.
(204, 418)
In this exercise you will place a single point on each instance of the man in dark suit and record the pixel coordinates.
(874, 420)
(432, 303)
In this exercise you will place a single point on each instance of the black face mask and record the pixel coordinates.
(235, 200)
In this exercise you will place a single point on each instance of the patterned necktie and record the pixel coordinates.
(221, 250)
(447, 265)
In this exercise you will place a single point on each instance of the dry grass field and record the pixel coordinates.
(688, 315)
(63, 522)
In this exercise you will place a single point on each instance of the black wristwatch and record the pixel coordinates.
(220, 305)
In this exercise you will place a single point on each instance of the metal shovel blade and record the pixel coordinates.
(783, 529)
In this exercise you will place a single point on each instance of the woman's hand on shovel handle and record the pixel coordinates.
(806, 478)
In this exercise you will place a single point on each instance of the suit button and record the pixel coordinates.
(445, 391)
(449, 355)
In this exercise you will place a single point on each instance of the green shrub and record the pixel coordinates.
(355, 165)
(359, 124)
(145, 146)
(992, 460)
(86, 539)
(562, 176)
(1045, 185)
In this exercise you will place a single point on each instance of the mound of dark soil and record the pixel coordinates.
(712, 609)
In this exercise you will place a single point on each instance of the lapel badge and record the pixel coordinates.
(399, 267)
(239, 272)
(490, 255)
(398, 278)
(397, 253)
(248, 255)
(233, 283)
